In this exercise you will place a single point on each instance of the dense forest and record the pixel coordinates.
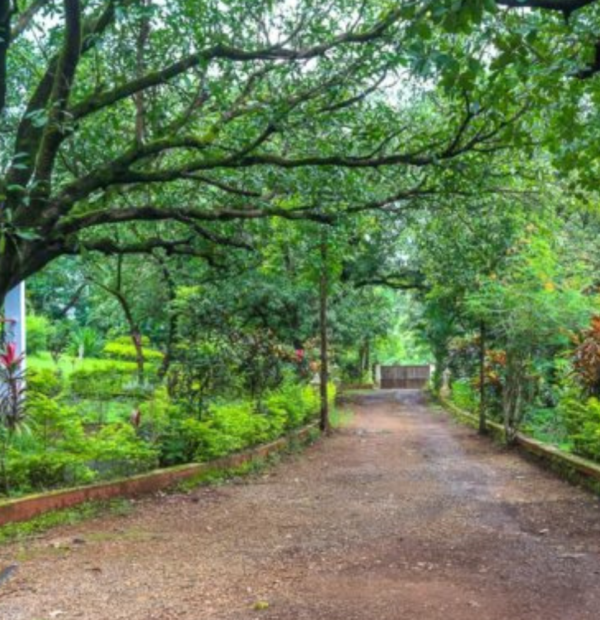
(220, 206)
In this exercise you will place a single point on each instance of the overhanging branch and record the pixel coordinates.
(182, 214)
(564, 6)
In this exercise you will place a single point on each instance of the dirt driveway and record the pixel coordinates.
(402, 515)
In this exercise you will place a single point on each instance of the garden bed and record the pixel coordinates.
(25, 508)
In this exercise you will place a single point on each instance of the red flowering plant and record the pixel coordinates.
(586, 358)
(12, 387)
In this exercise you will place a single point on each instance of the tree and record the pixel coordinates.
(529, 310)
(95, 136)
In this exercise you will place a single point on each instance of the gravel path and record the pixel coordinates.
(402, 515)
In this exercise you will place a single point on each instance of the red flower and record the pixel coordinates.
(9, 359)
(300, 354)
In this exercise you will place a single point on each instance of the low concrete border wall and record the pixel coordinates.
(573, 468)
(25, 508)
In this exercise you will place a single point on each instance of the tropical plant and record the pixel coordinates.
(85, 342)
(586, 358)
(12, 408)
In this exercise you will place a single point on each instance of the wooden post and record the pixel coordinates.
(377, 376)
(323, 298)
(14, 313)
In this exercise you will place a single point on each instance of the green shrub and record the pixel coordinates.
(294, 403)
(44, 381)
(206, 442)
(47, 470)
(103, 383)
(240, 421)
(122, 349)
(582, 421)
(38, 332)
(228, 426)
(116, 450)
(546, 424)
(52, 425)
(331, 393)
(156, 416)
(58, 450)
(464, 396)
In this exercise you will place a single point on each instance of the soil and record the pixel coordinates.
(400, 515)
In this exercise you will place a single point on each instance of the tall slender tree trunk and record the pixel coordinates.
(173, 318)
(482, 402)
(513, 395)
(136, 337)
(323, 299)
(135, 332)
(364, 362)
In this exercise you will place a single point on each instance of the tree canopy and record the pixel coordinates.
(135, 126)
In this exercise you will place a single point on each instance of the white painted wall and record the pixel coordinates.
(14, 311)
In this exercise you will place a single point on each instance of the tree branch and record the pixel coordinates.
(30, 133)
(226, 52)
(564, 6)
(226, 187)
(26, 17)
(182, 214)
(5, 35)
(110, 247)
(59, 97)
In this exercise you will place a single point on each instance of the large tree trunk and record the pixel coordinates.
(10, 269)
(19, 263)
(323, 286)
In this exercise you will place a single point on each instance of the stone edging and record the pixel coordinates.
(573, 468)
(25, 508)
